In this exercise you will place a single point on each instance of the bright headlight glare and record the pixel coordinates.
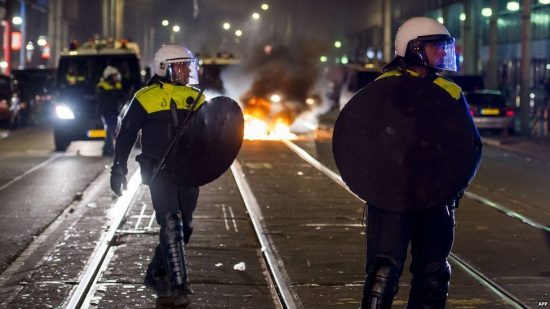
(64, 112)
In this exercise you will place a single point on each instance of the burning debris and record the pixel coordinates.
(281, 90)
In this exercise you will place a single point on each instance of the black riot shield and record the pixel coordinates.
(404, 144)
(209, 143)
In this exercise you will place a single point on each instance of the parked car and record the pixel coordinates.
(11, 105)
(36, 87)
(490, 110)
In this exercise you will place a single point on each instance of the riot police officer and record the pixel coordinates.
(424, 48)
(150, 111)
(110, 96)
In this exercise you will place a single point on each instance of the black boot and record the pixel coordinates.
(156, 277)
(429, 286)
(381, 285)
(175, 261)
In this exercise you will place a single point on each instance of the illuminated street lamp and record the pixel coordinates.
(226, 26)
(238, 33)
(265, 6)
(255, 15)
(323, 58)
(42, 41)
(17, 20)
(165, 23)
(337, 44)
(512, 6)
(462, 17)
(487, 12)
(544, 1)
(175, 29)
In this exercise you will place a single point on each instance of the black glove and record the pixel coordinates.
(118, 179)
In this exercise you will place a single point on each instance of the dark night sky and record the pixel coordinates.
(285, 20)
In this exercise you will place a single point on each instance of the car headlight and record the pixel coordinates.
(63, 112)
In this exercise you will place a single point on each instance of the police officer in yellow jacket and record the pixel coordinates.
(424, 48)
(150, 111)
(110, 99)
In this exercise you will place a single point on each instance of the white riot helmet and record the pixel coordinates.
(109, 71)
(176, 64)
(413, 37)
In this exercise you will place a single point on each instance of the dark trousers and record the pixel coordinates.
(169, 198)
(430, 233)
(109, 120)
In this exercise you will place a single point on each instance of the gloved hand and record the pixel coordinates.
(118, 179)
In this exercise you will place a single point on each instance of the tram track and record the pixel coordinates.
(269, 252)
(470, 269)
(284, 298)
(82, 294)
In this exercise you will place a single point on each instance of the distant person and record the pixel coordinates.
(110, 97)
(73, 75)
(424, 48)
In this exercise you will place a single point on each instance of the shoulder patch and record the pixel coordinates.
(396, 73)
(389, 74)
(448, 85)
(145, 89)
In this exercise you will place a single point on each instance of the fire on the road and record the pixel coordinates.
(261, 122)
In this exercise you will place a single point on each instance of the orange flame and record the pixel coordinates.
(261, 124)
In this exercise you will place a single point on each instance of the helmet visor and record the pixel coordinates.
(440, 52)
(182, 72)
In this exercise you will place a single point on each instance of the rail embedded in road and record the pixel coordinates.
(507, 296)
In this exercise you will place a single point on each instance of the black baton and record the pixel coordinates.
(176, 138)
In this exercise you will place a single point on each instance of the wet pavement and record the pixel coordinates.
(314, 225)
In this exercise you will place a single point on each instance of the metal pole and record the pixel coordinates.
(119, 22)
(7, 45)
(55, 32)
(105, 12)
(23, 27)
(470, 37)
(525, 108)
(388, 43)
(492, 69)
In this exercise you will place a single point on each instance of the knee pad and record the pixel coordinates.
(381, 284)
(430, 285)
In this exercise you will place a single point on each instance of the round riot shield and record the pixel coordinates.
(209, 143)
(404, 144)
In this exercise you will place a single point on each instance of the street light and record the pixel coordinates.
(17, 20)
(175, 29)
(462, 17)
(226, 26)
(337, 44)
(255, 15)
(165, 23)
(42, 41)
(265, 6)
(512, 6)
(487, 12)
(238, 33)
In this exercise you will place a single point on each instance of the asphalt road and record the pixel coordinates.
(314, 224)
(37, 184)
